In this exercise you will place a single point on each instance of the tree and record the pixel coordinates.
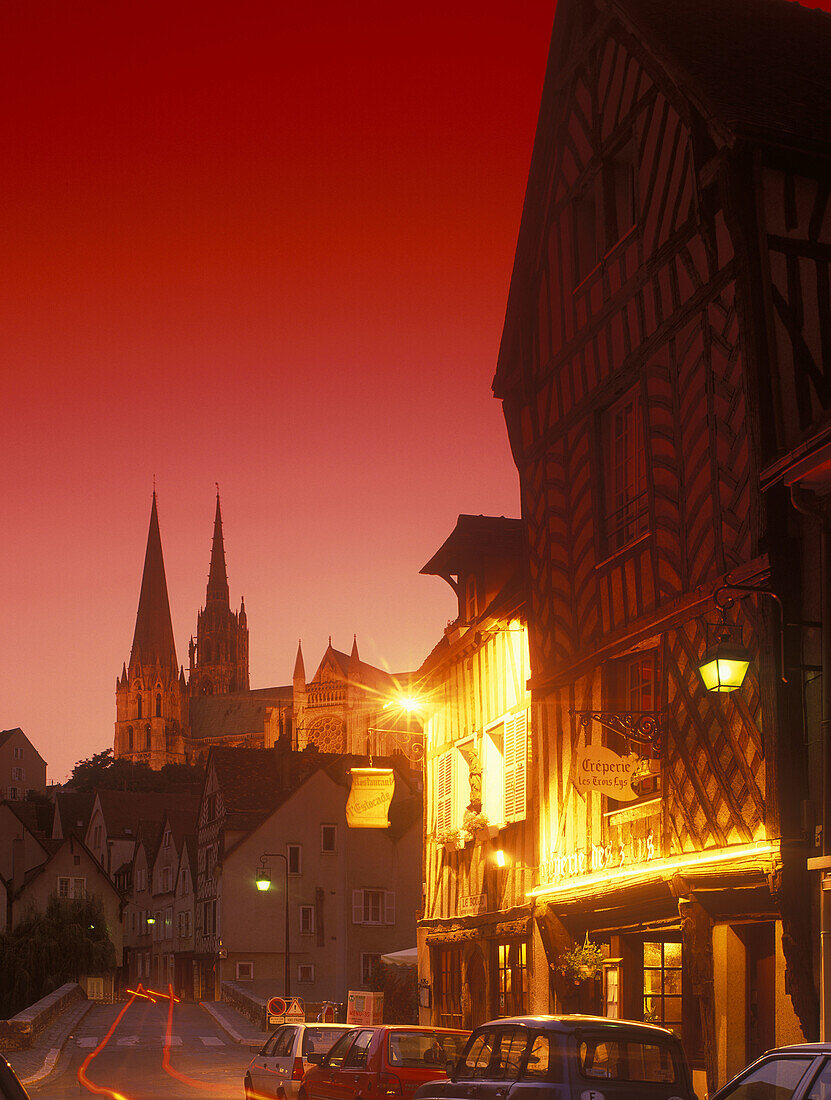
(46, 950)
(102, 772)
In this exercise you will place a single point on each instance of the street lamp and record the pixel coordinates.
(263, 881)
(723, 666)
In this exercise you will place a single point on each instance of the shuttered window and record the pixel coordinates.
(373, 907)
(444, 793)
(514, 762)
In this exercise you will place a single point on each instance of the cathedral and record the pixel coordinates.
(165, 717)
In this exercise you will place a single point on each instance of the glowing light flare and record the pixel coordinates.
(168, 1038)
(90, 1086)
(723, 668)
(499, 857)
(655, 868)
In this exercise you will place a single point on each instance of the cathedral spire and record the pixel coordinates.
(218, 577)
(153, 637)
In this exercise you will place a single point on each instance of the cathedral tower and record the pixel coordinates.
(218, 659)
(150, 694)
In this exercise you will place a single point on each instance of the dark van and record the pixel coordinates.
(566, 1058)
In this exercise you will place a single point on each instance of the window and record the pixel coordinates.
(359, 1051)
(619, 195)
(626, 1060)
(328, 839)
(129, 739)
(635, 686)
(168, 923)
(611, 990)
(74, 888)
(505, 752)
(306, 973)
(662, 984)
(245, 971)
(478, 1058)
(584, 229)
(147, 738)
(17, 775)
(158, 706)
(373, 907)
(369, 965)
(307, 920)
(293, 856)
(625, 502)
(605, 211)
(471, 608)
(18, 752)
(540, 1061)
(13, 793)
(165, 879)
(335, 1056)
(510, 1048)
(512, 973)
(166, 839)
(138, 706)
(452, 785)
(185, 881)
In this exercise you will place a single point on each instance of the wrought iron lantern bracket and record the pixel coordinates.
(644, 727)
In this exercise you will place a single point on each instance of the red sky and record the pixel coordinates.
(263, 246)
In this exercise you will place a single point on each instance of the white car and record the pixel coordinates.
(275, 1073)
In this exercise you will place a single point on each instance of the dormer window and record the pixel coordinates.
(605, 211)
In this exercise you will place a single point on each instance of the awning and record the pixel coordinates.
(408, 957)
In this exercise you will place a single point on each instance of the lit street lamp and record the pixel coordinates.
(264, 883)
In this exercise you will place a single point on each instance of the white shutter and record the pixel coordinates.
(444, 794)
(515, 757)
(357, 907)
(389, 907)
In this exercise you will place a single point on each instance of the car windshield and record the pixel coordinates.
(627, 1059)
(414, 1049)
(320, 1040)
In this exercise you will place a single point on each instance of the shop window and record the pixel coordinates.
(512, 975)
(625, 497)
(611, 989)
(662, 983)
(449, 986)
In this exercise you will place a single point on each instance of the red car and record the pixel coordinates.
(388, 1060)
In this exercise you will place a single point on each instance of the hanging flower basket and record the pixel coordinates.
(450, 839)
(581, 962)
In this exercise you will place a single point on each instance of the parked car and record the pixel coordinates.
(10, 1087)
(275, 1073)
(566, 1058)
(387, 1060)
(789, 1073)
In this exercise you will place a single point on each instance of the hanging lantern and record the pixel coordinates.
(725, 663)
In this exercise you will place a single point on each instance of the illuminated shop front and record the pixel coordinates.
(689, 941)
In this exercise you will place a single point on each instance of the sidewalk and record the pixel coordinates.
(40, 1058)
(235, 1025)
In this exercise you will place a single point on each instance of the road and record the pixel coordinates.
(143, 1060)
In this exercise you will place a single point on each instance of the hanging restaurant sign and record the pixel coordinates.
(602, 771)
(370, 797)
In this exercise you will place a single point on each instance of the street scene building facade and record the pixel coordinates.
(661, 359)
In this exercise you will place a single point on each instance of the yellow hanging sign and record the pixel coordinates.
(370, 797)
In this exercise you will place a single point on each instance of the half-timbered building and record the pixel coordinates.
(663, 370)
(475, 933)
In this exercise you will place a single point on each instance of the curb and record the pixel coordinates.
(54, 1053)
(230, 1030)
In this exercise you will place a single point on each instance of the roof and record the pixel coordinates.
(123, 810)
(74, 809)
(763, 67)
(153, 636)
(568, 1023)
(36, 816)
(233, 715)
(472, 539)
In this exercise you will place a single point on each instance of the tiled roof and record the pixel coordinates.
(6, 734)
(74, 809)
(124, 809)
(232, 715)
(36, 816)
(472, 539)
(762, 66)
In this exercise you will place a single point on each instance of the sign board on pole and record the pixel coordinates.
(296, 1012)
(369, 798)
(364, 1008)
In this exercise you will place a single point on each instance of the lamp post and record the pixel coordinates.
(263, 884)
